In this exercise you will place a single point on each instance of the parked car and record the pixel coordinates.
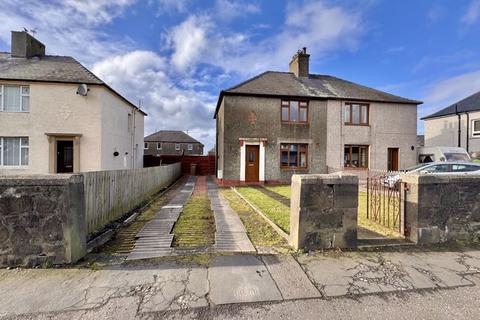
(458, 167)
(442, 154)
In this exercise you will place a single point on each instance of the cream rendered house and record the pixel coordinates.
(58, 117)
(457, 125)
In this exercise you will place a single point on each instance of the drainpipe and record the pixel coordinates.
(459, 127)
(468, 130)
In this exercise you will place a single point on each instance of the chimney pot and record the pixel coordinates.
(300, 63)
(26, 46)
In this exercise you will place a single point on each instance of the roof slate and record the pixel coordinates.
(318, 86)
(471, 103)
(51, 69)
(170, 136)
(45, 68)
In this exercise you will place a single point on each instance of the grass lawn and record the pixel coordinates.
(276, 211)
(362, 211)
(281, 190)
(259, 231)
(369, 224)
(196, 225)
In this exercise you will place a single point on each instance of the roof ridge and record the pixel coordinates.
(370, 88)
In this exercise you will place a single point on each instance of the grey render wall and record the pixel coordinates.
(236, 119)
(391, 126)
(443, 208)
(41, 218)
(168, 148)
(443, 132)
(323, 211)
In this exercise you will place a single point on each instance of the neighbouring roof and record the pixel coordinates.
(170, 136)
(58, 69)
(471, 103)
(286, 84)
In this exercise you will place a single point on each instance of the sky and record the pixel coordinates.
(173, 57)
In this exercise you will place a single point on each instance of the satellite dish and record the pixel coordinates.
(82, 90)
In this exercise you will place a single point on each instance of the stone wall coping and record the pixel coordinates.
(40, 179)
(440, 179)
(331, 178)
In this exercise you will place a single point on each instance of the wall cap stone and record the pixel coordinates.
(331, 178)
(40, 180)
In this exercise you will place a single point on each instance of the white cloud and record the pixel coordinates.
(230, 9)
(66, 26)
(316, 25)
(448, 91)
(473, 13)
(147, 76)
(189, 39)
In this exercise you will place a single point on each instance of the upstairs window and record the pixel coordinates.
(159, 146)
(14, 98)
(356, 114)
(145, 145)
(294, 156)
(177, 146)
(190, 147)
(14, 151)
(295, 111)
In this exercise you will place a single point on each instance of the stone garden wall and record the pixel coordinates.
(443, 208)
(41, 219)
(47, 218)
(323, 211)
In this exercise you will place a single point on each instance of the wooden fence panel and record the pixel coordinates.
(110, 194)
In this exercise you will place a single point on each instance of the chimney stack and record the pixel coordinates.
(26, 46)
(300, 63)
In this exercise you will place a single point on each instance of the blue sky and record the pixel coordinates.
(176, 55)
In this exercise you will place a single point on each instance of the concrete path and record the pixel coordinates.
(155, 239)
(230, 235)
(144, 289)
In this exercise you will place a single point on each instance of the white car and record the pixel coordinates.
(436, 168)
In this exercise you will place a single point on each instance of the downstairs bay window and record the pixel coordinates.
(14, 151)
(293, 156)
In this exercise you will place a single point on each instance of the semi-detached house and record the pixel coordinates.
(58, 117)
(281, 123)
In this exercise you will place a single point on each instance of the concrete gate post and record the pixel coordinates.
(323, 211)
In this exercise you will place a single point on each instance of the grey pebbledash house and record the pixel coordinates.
(280, 123)
(171, 142)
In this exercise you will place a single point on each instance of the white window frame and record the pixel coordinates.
(177, 147)
(145, 146)
(159, 146)
(475, 133)
(190, 147)
(20, 165)
(2, 98)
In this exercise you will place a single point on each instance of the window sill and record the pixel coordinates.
(356, 125)
(3, 111)
(296, 122)
(294, 169)
(14, 167)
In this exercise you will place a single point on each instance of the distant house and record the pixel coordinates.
(170, 142)
(277, 124)
(457, 125)
(58, 117)
(212, 151)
